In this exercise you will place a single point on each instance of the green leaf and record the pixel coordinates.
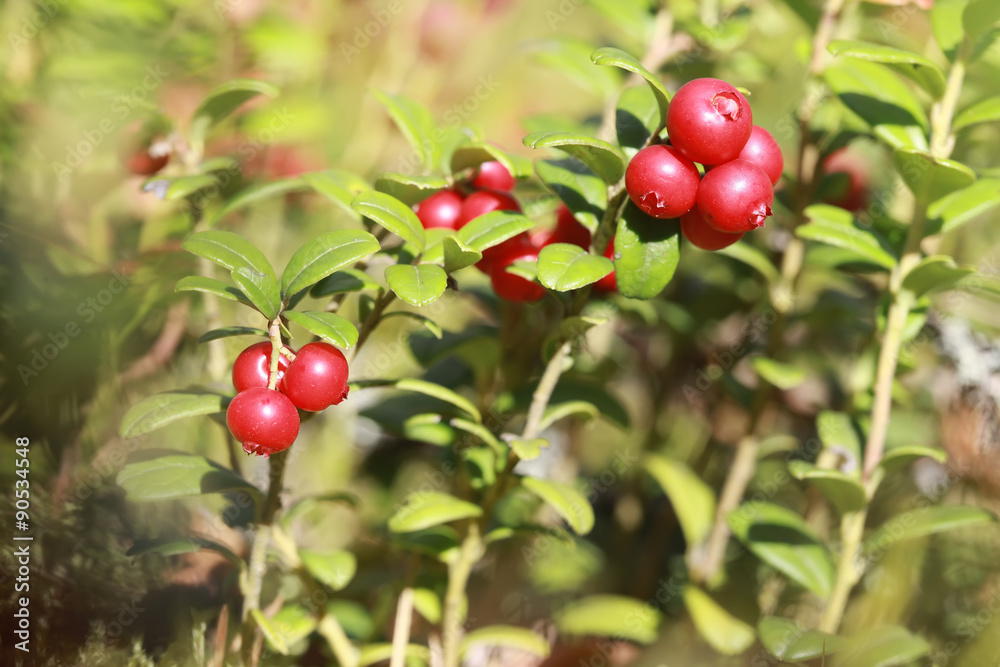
(584, 194)
(899, 457)
(334, 569)
(782, 376)
(930, 178)
(844, 492)
(179, 187)
(569, 503)
(922, 70)
(754, 258)
(427, 323)
(790, 642)
(635, 18)
(781, 538)
(474, 154)
(331, 327)
(507, 636)
(838, 434)
(602, 158)
(875, 93)
(528, 450)
(952, 211)
(340, 187)
(211, 286)
(415, 122)
(409, 188)
(428, 604)
(979, 18)
(563, 267)
(571, 58)
(223, 100)
(417, 285)
(442, 394)
(637, 116)
(612, 57)
(609, 616)
(293, 623)
(557, 411)
(392, 214)
(647, 252)
(427, 509)
(480, 431)
(983, 111)
(261, 289)
(229, 332)
(885, 646)
(925, 521)
(458, 255)
(373, 654)
(173, 546)
(159, 410)
(271, 634)
(152, 474)
(231, 251)
(835, 226)
(935, 273)
(259, 192)
(723, 631)
(493, 229)
(946, 21)
(345, 280)
(325, 255)
(693, 500)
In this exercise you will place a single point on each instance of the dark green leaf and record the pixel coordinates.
(322, 256)
(693, 500)
(345, 280)
(638, 115)
(612, 57)
(844, 492)
(164, 474)
(427, 509)
(520, 639)
(493, 228)
(224, 99)
(259, 192)
(584, 194)
(415, 122)
(408, 188)
(211, 286)
(609, 616)
(392, 214)
(886, 646)
(458, 255)
(602, 158)
(569, 503)
(723, 631)
(228, 332)
(440, 393)
(417, 285)
(835, 226)
(924, 522)
(340, 187)
(334, 569)
(930, 178)
(157, 411)
(790, 642)
(925, 72)
(647, 252)
(331, 327)
(935, 273)
(229, 250)
(563, 267)
(951, 212)
(261, 289)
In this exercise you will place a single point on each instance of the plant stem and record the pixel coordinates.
(401, 630)
(340, 644)
(543, 392)
(852, 528)
(458, 577)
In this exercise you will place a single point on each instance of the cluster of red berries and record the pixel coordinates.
(491, 186)
(265, 420)
(709, 123)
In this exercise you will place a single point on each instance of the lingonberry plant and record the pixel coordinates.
(488, 407)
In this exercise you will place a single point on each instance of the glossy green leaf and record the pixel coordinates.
(926, 521)
(493, 228)
(231, 251)
(946, 21)
(900, 457)
(229, 332)
(154, 412)
(583, 193)
(340, 187)
(165, 474)
(843, 491)
(609, 616)
(441, 393)
(417, 285)
(563, 267)
(723, 631)
(259, 192)
(952, 211)
(474, 154)
(781, 538)
(647, 252)
(561, 410)
(415, 122)
(409, 188)
(835, 226)
(331, 327)
(693, 500)
(979, 18)
(886, 646)
(458, 255)
(602, 158)
(528, 450)
(507, 636)
(754, 258)
(392, 214)
(930, 178)
(427, 509)
(569, 503)
(261, 289)
(983, 111)
(935, 273)
(211, 286)
(325, 255)
(224, 99)
(782, 376)
(790, 642)
(274, 639)
(922, 70)
(345, 280)
(612, 57)
(334, 569)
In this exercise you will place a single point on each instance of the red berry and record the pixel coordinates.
(317, 378)
(735, 197)
(142, 148)
(253, 367)
(264, 420)
(700, 234)
(763, 151)
(568, 230)
(483, 202)
(662, 182)
(441, 209)
(516, 243)
(709, 121)
(608, 283)
(509, 286)
(853, 197)
(493, 175)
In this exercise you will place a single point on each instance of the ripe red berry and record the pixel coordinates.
(853, 196)
(662, 182)
(608, 283)
(700, 234)
(567, 230)
(317, 378)
(253, 367)
(509, 286)
(493, 175)
(264, 420)
(441, 209)
(709, 121)
(522, 241)
(735, 197)
(763, 151)
(483, 202)
(142, 149)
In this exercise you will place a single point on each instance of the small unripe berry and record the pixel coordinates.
(709, 121)
(735, 197)
(662, 182)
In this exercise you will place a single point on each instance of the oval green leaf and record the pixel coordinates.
(602, 158)
(325, 255)
(563, 267)
(844, 492)
(340, 187)
(782, 376)
(417, 285)
(458, 255)
(211, 286)
(723, 631)
(261, 289)
(229, 250)
(790, 642)
(647, 252)
(929, 177)
(926, 521)
(165, 474)
(426, 510)
(345, 280)
(392, 214)
(887, 646)
(983, 111)
(224, 99)
(155, 412)
(507, 636)
(612, 57)
(440, 393)
(935, 273)
(334, 569)
(416, 123)
(952, 211)
(609, 616)
(923, 71)
(331, 327)
(584, 194)
(693, 500)
(835, 226)
(409, 188)
(493, 229)
(569, 503)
